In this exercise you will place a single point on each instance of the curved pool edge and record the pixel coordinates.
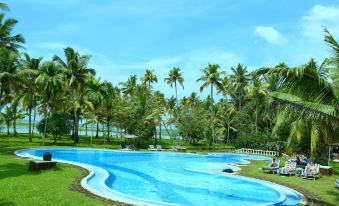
(123, 198)
(93, 170)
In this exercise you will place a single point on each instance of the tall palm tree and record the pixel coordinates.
(129, 86)
(95, 87)
(109, 94)
(175, 77)
(239, 79)
(256, 91)
(211, 77)
(50, 84)
(7, 117)
(7, 40)
(28, 75)
(77, 74)
(9, 80)
(149, 78)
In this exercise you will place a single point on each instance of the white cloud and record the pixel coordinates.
(270, 34)
(318, 17)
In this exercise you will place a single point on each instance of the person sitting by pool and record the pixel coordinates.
(274, 163)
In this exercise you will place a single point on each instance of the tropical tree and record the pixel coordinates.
(175, 77)
(149, 78)
(7, 117)
(9, 80)
(256, 91)
(77, 74)
(128, 87)
(109, 94)
(239, 79)
(50, 84)
(28, 75)
(7, 40)
(211, 77)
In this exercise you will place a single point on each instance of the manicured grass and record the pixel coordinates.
(318, 192)
(51, 187)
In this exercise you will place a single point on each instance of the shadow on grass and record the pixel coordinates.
(334, 194)
(6, 203)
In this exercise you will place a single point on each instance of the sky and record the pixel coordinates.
(126, 37)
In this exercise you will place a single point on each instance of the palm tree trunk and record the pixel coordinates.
(228, 133)
(97, 132)
(256, 119)
(107, 123)
(212, 118)
(177, 101)
(8, 125)
(160, 130)
(45, 129)
(14, 126)
(34, 115)
(76, 136)
(30, 124)
(86, 128)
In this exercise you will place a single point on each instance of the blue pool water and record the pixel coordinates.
(159, 178)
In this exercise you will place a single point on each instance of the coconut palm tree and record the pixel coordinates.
(95, 87)
(28, 75)
(211, 77)
(175, 77)
(50, 84)
(239, 79)
(109, 94)
(149, 78)
(128, 87)
(77, 74)
(7, 117)
(9, 80)
(7, 40)
(256, 91)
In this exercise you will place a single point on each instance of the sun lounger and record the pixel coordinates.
(158, 148)
(269, 168)
(128, 147)
(151, 148)
(288, 169)
(311, 171)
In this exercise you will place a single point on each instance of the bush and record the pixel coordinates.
(58, 124)
(252, 141)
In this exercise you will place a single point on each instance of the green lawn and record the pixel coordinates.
(21, 187)
(57, 187)
(319, 192)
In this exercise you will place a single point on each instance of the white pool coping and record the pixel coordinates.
(121, 197)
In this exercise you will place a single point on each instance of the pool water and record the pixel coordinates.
(160, 178)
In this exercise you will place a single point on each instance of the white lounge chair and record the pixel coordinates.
(151, 148)
(270, 168)
(311, 171)
(288, 169)
(159, 148)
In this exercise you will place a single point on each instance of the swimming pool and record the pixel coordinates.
(161, 178)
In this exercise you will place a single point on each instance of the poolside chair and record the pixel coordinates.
(337, 183)
(273, 167)
(159, 148)
(311, 171)
(288, 169)
(131, 147)
(151, 148)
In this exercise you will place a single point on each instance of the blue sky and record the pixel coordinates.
(125, 37)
